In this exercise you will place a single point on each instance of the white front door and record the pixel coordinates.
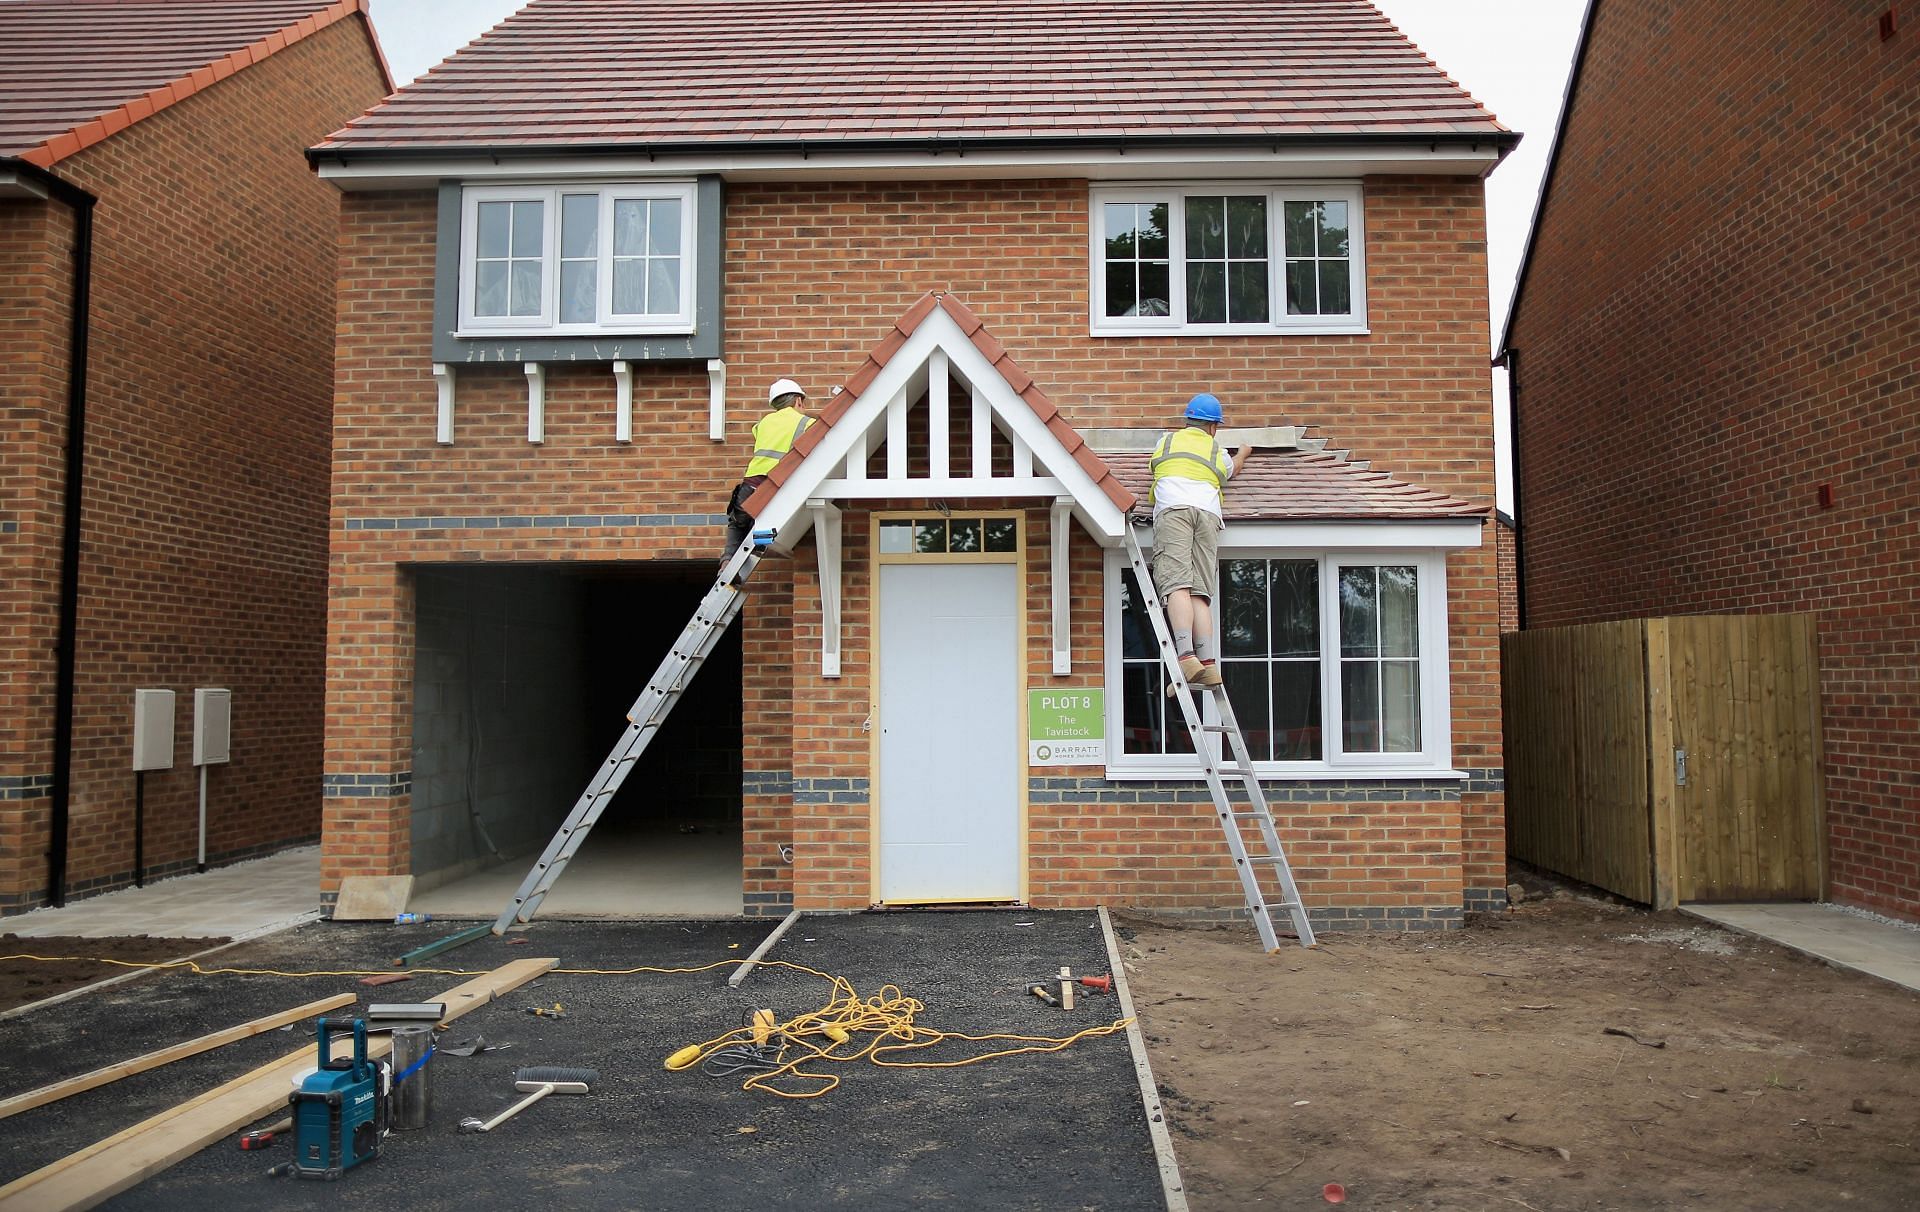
(949, 720)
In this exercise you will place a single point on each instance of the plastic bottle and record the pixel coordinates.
(411, 919)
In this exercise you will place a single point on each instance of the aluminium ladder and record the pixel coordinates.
(1241, 767)
(649, 711)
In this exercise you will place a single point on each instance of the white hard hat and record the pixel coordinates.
(783, 387)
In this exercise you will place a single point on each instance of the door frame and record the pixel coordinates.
(1018, 558)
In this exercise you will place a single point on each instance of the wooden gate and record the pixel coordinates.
(1669, 760)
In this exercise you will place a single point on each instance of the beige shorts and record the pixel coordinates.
(1186, 552)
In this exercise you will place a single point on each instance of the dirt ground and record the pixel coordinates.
(1483, 1068)
(23, 981)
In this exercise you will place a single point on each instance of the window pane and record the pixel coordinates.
(628, 287)
(1400, 706)
(1302, 299)
(1243, 614)
(1333, 229)
(1359, 613)
(896, 538)
(576, 292)
(1299, 234)
(492, 238)
(1247, 227)
(1155, 289)
(1296, 608)
(490, 288)
(1153, 231)
(629, 227)
(1206, 293)
(1122, 241)
(1150, 722)
(663, 227)
(930, 536)
(1360, 706)
(663, 286)
(529, 240)
(1335, 297)
(1120, 292)
(580, 225)
(1246, 684)
(1207, 227)
(1399, 611)
(964, 535)
(1296, 711)
(525, 287)
(1003, 534)
(1247, 292)
(1137, 641)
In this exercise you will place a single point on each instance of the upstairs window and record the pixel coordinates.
(577, 259)
(1229, 260)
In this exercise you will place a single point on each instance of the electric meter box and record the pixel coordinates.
(153, 730)
(212, 726)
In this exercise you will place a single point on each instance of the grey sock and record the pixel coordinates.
(1183, 643)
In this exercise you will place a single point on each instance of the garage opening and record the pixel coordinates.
(522, 681)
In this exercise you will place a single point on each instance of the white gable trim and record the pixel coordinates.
(835, 468)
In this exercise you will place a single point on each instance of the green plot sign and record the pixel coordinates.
(1066, 727)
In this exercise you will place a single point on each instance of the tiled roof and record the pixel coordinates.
(996, 354)
(73, 72)
(1306, 484)
(763, 74)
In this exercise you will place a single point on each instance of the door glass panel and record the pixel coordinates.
(963, 535)
(930, 537)
(1003, 534)
(896, 538)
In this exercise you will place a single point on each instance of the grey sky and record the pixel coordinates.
(1512, 55)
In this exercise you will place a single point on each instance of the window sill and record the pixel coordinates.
(1276, 774)
(1358, 329)
(562, 334)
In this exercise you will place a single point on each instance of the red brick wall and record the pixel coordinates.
(1506, 550)
(1723, 317)
(209, 388)
(815, 276)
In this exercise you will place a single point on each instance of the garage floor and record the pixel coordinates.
(617, 873)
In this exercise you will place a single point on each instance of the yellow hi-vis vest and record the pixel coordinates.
(1190, 454)
(773, 436)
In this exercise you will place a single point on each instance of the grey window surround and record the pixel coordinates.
(703, 343)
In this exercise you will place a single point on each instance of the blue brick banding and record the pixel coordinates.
(1055, 790)
(367, 786)
(26, 787)
(830, 791)
(593, 521)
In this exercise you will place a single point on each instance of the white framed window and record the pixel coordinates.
(1228, 259)
(1335, 661)
(577, 259)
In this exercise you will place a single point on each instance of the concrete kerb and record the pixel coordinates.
(312, 915)
(1170, 1181)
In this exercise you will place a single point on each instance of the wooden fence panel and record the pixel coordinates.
(1746, 705)
(1577, 794)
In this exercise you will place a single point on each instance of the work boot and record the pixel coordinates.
(1190, 667)
(1209, 675)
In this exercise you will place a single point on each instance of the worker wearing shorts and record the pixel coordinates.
(1189, 471)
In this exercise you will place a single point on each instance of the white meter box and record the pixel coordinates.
(212, 726)
(153, 730)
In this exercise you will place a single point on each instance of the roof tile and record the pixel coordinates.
(1302, 485)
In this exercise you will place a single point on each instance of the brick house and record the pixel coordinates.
(167, 265)
(1735, 345)
(569, 271)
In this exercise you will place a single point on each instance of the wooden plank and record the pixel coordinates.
(766, 945)
(1685, 669)
(1660, 773)
(372, 898)
(153, 1060)
(99, 1172)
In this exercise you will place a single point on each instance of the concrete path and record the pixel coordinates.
(242, 901)
(1845, 940)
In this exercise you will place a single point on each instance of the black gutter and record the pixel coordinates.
(1501, 141)
(81, 203)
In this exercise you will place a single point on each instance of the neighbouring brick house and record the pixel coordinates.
(166, 262)
(1715, 345)
(1020, 236)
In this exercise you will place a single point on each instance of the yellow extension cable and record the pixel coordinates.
(888, 1015)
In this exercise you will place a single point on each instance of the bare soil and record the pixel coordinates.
(1483, 1068)
(28, 980)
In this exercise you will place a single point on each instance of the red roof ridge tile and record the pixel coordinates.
(54, 148)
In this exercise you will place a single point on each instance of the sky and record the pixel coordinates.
(1512, 55)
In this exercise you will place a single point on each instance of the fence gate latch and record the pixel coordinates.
(1680, 768)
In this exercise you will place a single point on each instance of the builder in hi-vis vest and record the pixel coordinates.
(787, 418)
(1189, 470)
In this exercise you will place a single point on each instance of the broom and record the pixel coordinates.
(536, 1083)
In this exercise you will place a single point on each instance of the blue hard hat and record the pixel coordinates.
(1204, 407)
